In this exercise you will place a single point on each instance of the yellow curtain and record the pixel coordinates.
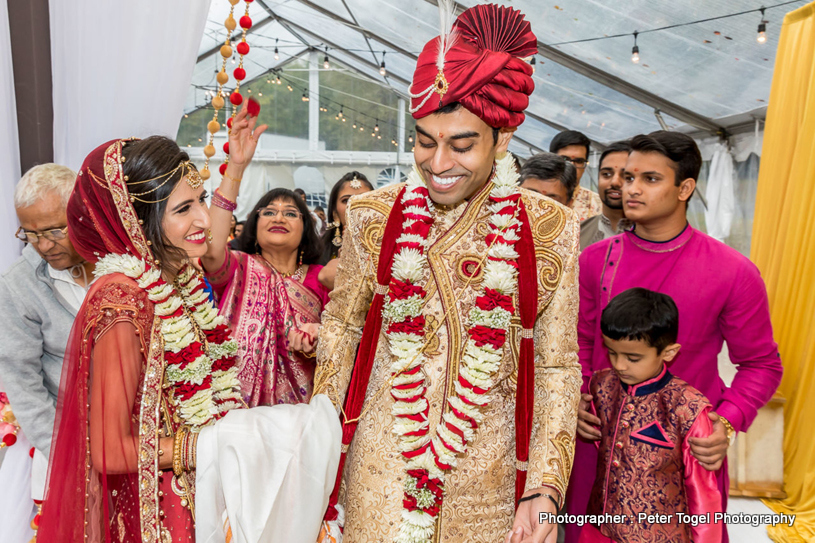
(783, 247)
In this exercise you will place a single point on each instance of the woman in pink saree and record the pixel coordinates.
(270, 293)
(149, 363)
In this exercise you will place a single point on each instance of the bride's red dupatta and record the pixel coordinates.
(103, 479)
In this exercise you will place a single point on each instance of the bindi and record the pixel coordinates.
(441, 135)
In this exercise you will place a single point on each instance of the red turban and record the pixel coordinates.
(482, 69)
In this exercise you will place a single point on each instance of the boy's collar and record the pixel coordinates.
(650, 386)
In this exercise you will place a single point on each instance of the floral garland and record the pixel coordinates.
(203, 377)
(428, 458)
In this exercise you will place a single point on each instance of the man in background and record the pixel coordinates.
(611, 221)
(575, 147)
(550, 175)
(40, 295)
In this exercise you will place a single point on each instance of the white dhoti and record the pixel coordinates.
(269, 470)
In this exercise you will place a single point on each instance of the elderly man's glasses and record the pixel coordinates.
(272, 212)
(55, 234)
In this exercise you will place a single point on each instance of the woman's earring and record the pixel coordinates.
(301, 259)
(209, 236)
(337, 241)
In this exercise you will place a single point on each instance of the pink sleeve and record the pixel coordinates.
(701, 487)
(588, 314)
(745, 324)
(221, 278)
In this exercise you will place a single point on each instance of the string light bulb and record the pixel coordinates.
(305, 97)
(762, 29)
(276, 52)
(382, 71)
(410, 138)
(532, 63)
(354, 125)
(340, 113)
(376, 128)
(326, 63)
(635, 52)
(278, 80)
(290, 88)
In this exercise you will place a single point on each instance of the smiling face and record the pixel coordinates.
(280, 227)
(342, 200)
(46, 214)
(186, 220)
(455, 153)
(650, 193)
(634, 361)
(611, 178)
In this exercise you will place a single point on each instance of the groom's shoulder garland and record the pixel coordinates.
(203, 376)
(430, 458)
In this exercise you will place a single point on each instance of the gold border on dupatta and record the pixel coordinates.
(149, 425)
(121, 197)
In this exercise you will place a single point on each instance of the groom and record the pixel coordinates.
(458, 291)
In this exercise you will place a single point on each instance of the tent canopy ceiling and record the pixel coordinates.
(709, 76)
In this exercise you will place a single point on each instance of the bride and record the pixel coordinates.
(150, 366)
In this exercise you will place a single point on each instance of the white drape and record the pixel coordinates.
(719, 194)
(9, 147)
(269, 471)
(120, 69)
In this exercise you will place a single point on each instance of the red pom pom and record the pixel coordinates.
(246, 22)
(9, 440)
(222, 168)
(248, 1)
(243, 48)
(254, 107)
(240, 74)
(36, 522)
(229, 122)
(236, 98)
(31, 452)
(226, 145)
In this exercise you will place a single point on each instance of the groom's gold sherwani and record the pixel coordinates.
(479, 492)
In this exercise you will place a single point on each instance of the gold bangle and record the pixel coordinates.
(236, 181)
(192, 445)
(729, 430)
(178, 443)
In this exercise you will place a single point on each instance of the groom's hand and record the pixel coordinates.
(527, 528)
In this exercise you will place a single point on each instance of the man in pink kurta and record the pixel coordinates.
(719, 292)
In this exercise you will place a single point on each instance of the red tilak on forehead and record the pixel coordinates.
(441, 135)
(636, 169)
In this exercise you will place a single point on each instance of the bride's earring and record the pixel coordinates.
(209, 236)
(337, 241)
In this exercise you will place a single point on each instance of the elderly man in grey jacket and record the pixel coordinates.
(40, 295)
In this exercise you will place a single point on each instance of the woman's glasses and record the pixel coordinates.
(272, 212)
(55, 234)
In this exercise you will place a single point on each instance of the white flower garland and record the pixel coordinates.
(208, 401)
(429, 458)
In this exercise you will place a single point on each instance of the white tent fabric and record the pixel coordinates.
(9, 147)
(120, 69)
(721, 200)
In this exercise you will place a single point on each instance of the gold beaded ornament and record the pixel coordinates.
(188, 170)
